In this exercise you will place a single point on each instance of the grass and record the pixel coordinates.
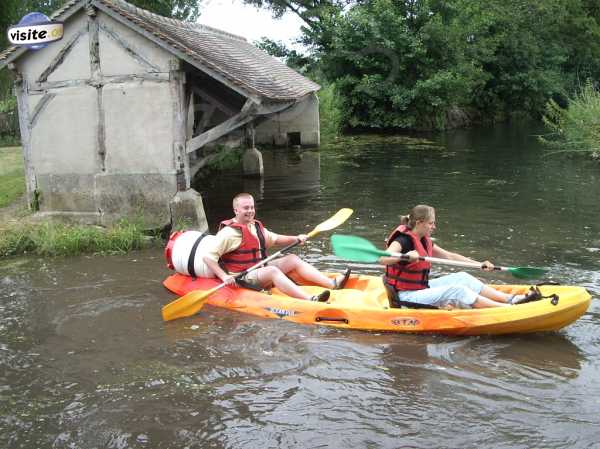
(50, 239)
(18, 237)
(577, 127)
(12, 175)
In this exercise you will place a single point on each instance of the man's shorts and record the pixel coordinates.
(250, 280)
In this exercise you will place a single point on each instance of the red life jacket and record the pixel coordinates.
(414, 275)
(251, 251)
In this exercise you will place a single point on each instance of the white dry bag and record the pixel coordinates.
(185, 250)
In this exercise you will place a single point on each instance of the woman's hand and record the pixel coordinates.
(413, 255)
(487, 266)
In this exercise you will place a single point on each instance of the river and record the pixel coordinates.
(86, 361)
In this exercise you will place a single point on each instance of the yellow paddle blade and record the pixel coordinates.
(331, 223)
(187, 305)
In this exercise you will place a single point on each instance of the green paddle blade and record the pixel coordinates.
(356, 249)
(527, 272)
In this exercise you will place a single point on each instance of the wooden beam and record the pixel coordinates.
(250, 111)
(214, 100)
(190, 116)
(129, 49)
(61, 55)
(208, 111)
(25, 127)
(39, 108)
(179, 110)
(94, 49)
(244, 116)
(113, 79)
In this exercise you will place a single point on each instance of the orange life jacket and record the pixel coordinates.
(251, 251)
(412, 275)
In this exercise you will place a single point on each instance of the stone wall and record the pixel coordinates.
(298, 125)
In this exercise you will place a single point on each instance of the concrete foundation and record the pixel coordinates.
(187, 207)
(253, 163)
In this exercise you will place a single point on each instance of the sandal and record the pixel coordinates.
(534, 294)
(342, 283)
(321, 297)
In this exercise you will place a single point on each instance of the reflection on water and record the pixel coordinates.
(87, 362)
(291, 181)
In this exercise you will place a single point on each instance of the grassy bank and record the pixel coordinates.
(50, 239)
(12, 178)
(20, 235)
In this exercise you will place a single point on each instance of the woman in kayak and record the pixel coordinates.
(408, 282)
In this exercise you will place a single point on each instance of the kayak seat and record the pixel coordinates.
(396, 303)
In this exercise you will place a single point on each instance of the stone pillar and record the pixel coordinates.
(253, 163)
(187, 206)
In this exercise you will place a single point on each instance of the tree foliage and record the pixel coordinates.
(294, 59)
(187, 10)
(436, 63)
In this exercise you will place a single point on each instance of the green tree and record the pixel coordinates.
(319, 17)
(417, 63)
(187, 10)
(396, 65)
(294, 59)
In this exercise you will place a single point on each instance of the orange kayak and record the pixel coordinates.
(363, 305)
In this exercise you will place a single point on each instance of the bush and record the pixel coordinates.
(575, 128)
(330, 113)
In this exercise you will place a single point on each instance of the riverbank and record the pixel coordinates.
(22, 233)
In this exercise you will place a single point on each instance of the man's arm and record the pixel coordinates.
(226, 240)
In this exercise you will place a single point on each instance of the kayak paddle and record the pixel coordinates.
(190, 303)
(358, 249)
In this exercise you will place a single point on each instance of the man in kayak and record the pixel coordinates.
(242, 242)
(408, 282)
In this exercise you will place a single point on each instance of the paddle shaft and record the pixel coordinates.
(262, 262)
(455, 263)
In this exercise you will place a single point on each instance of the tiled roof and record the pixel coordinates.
(238, 62)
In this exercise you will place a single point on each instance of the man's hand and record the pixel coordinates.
(302, 238)
(228, 279)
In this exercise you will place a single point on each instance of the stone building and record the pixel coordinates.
(117, 116)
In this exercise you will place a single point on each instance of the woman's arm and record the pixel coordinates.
(396, 247)
(440, 252)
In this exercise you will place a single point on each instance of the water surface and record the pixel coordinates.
(86, 361)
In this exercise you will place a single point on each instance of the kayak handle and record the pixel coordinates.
(331, 319)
